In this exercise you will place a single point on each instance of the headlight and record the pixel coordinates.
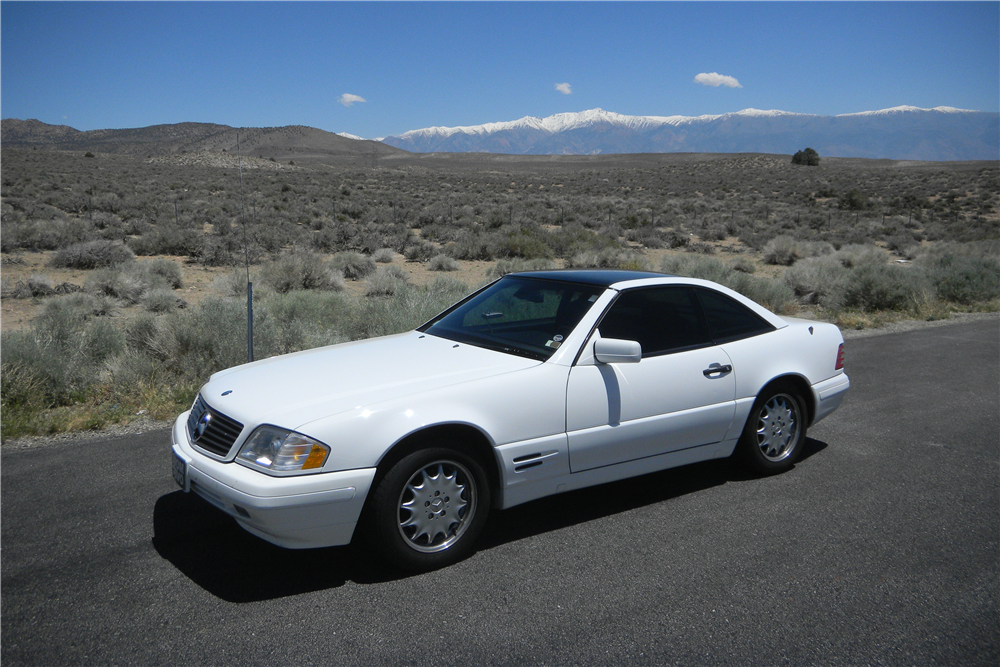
(279, 450)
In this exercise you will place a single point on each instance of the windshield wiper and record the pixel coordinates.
(489, 316)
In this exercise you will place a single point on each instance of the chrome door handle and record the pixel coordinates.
(714, 369)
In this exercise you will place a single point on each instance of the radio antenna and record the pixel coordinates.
(246, 254)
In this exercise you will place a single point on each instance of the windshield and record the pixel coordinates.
(522, 316)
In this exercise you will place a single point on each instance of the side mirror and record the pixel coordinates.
(615, 351)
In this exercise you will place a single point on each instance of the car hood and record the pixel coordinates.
(295, 389)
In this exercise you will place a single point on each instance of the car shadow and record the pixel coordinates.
(211, 549)
(597, 502)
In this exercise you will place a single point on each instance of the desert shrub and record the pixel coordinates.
(131, 369)
(419, 250)
(57, 360)
(676, 239)
(701, 248)
(404, 310)
(125, 285)
(33, 371)
(167, 239)
(169, 270)
(526, 243)
(384, 255)
(162, 301)
(234, 283)
(874, 287)
(785, 250)
(301, 269)
(386, 281)
(443, 263)
(772, 294)
(574, 238)
(145, 333)
(329, 310)
(903, 244)
(127, 282)
(853, 200)
(92, 255)
(206, 338)
(22, 383)
(696, 266)
(714, 233)
(353, 265)
(44, 234)
(963, 279)
(475, 246)
(225, 251)
(855, 255)
(817, 280)
(609, 258)
(63, 318)
(101, 339)
(505, 266)
(782, 250)
(744, 265)
(300, 320)
(444, 291)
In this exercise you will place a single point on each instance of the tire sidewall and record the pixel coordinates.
(386, 539)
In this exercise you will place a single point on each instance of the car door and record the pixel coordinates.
(680, 395)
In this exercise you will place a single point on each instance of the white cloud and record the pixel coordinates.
(347, 99)
(564, 88)
(715, 80)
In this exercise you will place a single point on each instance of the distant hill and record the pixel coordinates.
(901, 133)
(280, 143)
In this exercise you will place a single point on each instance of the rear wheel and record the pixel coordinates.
(429, 508)
(775, 431)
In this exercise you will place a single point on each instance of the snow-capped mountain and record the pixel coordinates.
(904, 132)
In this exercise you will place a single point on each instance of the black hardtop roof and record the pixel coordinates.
(596, 277)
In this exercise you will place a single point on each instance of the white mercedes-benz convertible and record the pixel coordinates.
(539, 383)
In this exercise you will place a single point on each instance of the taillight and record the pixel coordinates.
(840, 358)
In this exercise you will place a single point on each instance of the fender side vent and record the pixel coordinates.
(525, 466)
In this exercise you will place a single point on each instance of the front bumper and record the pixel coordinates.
(300, 512)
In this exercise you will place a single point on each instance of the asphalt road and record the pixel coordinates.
(880, 547)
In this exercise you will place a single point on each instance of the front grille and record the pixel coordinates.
(219, 432)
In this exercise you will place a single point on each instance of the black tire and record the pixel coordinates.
(775, 431)
(428, 509)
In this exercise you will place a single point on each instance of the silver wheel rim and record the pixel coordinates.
(777, 428)
(436, 505)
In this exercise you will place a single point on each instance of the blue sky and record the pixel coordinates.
(412, 65)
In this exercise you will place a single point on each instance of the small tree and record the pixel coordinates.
(807, 157)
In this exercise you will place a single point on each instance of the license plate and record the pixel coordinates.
(180, 471)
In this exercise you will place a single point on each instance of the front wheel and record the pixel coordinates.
(773, 436)
(429, 508)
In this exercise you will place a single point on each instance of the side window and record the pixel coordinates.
(729, 320)
(661, 319)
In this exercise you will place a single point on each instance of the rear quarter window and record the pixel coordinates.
(729, 320)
